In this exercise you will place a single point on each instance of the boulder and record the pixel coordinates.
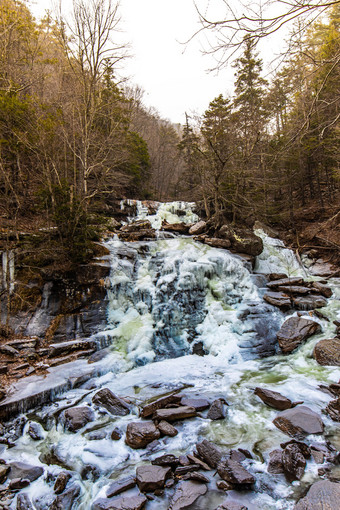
(180, 228)
(210, 453)
(302, 447)
(140, 434)
(61, 482)
(116, 406)
(323, 289)
(4, 470)
(76, 418)
(322, 495)
(299, 422)
(200, 404)
(166, 460)
(136, 226)
(242, 240)
(150, 477)
(233, 472)
(116, 434)
(65, 501)
(186, 494)
(120, 486)
(159, 403)
(25, 471)
(327, 352)
(35, 431)
(216, 242)
(294, 331)
(167, 429)
(279, 299)
(176, 413)
(322, 268)
(309, 302)
(198, 228)
(24, 502)
(18, 484)
(294, 463)
(121, 503)
(275, 466)
(216, 411)
(333, 409)
(273, 399)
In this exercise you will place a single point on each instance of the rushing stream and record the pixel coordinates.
(170, 298)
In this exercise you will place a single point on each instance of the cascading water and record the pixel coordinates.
(167, 297)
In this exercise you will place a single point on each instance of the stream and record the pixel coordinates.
(184, 315)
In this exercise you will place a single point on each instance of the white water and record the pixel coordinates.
(166, 296)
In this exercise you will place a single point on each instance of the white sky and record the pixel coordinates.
(173, 76)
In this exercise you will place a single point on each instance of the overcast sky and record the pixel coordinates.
(173, 76)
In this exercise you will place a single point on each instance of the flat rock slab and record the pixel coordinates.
(273, 399)
(327, 352)
(309, 302)
(186, 494)
(322, 495)
(140, 434)
(150, 477)
(197, 228)
(233, 472)
(25, 471)
(176, 413)
(299, 422)
(200, 404)
(333, 409)
(120, 486)
(279, 299)
(77, 417)
(159, 403)
(115, 405)
(167, 429)
(294, 331)
(295, 289)
(286, 282)
(121, 503)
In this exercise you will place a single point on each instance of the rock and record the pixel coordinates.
(200, 404)
(166, 460)
(24, 502)
(137, 235)
(186, 494)
(294, 290)
(196, 476)
(327, 352)
(294, 331)
(90, 472)
(322, 495)
(309, 302)
(194, 460)
(233, 472)
(136, 226)
(4, 470)
(167, 429)
(294, 463)
(322, 268)
(273, 399)
(77, 417)
(35, 431)
(242, 240)
(140, 434)
(278, 299)
(299, 422)
(149, 409)
(216, 242)
(231, 505)
(65, 501)
(7, 349)
(277, 276)
(177, 413)
(120, 486)
(116, 434)
(216, 411)
(98, 356)
(302, 447)
(150, 477)
(18, 484)
(25, 471)
(222, 485)
(121, 503)
(61, 482)
(116, 406)
(333, 409)
(210, 453)
(285, 282)
(65, 348)
(180, 228)
(197, 228)
(183, 470)
(322, 289)
(275, 466)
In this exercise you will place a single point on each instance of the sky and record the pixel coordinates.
(173, 75)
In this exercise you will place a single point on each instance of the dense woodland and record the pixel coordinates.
(74, 138)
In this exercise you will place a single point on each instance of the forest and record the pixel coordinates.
(74, 138)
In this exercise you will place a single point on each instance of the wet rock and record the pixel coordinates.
(150, 477)
(294, 463)
(4, 470)
(277, 276)
(121, 503)
(210, 453)
(186, 494)
(18, 484)
(120, 486)
(216, 411)
(233, 472)
(183, 470)
(35, 431)
(302, 447)
(275, 466)
(25, 471)
(184, 460)
(327, 352)
(159, 403)
(322, 495)
(140, 434)
(285, 282)
(194, 460)
(299, 422)
(242, 240)
(309, 302)
(294, 331)
(333, 409)
(273, 399)
(198, 348)
(10, 351)
(322, 289)
(178, 413)
(278, 299)
(198, 228)
(116, 406)
(77, 417)
(65, 348)
(216, 242)
(65, 501)
(231, 505)
(166, 460)
(222, 485)
(61, 482)
(98, 356)
(322, 268)
(167, 429)
(136, 226)
(295, 290)
(200, 404)
(196, 476)
(116, 434)
(90, 472)
(24, 502)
